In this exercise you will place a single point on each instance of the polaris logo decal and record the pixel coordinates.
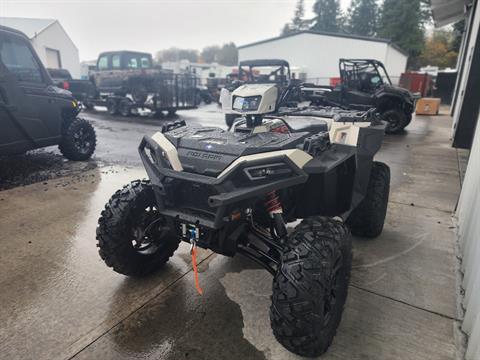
(204, 156)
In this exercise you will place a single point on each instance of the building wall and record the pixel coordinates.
(396, 63)
(468, 209)
(319, 54)
(55, 37)
(468, 215)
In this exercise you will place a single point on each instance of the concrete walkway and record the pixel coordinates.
(59, 301)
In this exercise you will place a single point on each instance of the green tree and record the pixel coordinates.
(228, 55)
(403, 22)
(362, 17)
(439, 50)
(329, 16)
(176, 54)
(298, 22)
(209, 54)
(458, 30)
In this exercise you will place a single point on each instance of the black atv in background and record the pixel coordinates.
(34, 113)
(365, 84)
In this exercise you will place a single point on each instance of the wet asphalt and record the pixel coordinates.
(59, 301)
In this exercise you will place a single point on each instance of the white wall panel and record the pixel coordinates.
(468, 214)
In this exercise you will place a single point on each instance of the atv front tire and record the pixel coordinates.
(79, 140)
(310, 286)
(133, 238)
(368, 218)
(396, 120)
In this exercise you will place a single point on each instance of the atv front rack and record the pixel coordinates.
(210, 201)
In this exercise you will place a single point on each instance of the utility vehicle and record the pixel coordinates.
(365, 84)
(33, 112)
(236, 191)
(262, 71)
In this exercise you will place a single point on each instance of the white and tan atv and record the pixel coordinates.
(236, 191)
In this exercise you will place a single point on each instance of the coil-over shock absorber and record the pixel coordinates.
(275, 210)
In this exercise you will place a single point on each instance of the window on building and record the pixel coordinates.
(19, 60)
(116, 64)
(103, 63)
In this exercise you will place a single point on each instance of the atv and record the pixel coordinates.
(365, 84)
(235, 192)
(34, 113)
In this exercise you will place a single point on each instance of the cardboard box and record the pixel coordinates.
(428, 106)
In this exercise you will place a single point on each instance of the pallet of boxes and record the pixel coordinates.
(428, 106)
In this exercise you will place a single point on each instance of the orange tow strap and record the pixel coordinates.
(195, 270)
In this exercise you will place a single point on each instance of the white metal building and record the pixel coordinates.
(317, 53)
(51, 42)
(466, 134)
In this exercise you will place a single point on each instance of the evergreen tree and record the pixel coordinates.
(328, 17)
(362, 17)
(298, 23)
(403, 22)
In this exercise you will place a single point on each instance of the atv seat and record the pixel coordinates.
(311, 124)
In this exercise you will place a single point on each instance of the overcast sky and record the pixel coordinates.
(152, 25)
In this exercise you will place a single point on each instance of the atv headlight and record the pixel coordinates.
(270, 171)
(249, 103)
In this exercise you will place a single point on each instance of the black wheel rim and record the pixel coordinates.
(332, 290)
(148, 231)
(83, 140)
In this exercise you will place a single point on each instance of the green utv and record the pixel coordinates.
(34, 113)
(235, 192)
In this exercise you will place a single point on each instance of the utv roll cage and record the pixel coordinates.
(351, 70)
(281, 72)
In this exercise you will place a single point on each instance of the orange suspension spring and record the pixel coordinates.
(273, 203)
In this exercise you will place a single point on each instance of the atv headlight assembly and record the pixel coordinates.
(250, 103)
(268, 171)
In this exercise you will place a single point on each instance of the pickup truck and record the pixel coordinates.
(125, 81)
(82, 90)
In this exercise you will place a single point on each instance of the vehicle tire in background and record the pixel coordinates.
(311, 285)
(125, 107)
(78, 141)
(171, 113)
(368, 218)
(133, 237)
(112, 106)
(396, 120)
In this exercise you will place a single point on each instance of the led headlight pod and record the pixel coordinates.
(250, 103)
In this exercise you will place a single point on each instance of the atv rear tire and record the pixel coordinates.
(133, 238)
(396, 120)
(112, 106)
(79, 140)
(368, 218)
(310, 286)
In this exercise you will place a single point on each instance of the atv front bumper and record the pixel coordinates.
(212, 202)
